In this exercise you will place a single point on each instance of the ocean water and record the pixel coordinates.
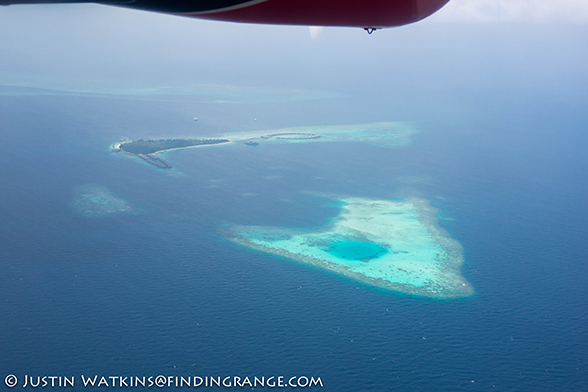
(160, 291)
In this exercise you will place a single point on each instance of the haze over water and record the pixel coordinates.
(500, 152)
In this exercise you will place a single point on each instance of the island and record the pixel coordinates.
(387, 134)
(391, 245)
(146, 149)
(152, 146)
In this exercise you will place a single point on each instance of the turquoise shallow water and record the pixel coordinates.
(95, 201)
(356, 244)
(356, 250)
(162, 293)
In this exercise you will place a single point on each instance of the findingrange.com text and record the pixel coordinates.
(104, 382)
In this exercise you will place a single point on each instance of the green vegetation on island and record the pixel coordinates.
(142, 146)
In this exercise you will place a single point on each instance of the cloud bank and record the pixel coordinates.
(575, 11)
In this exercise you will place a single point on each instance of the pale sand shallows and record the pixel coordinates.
(421, 258)
(382, 133)
(96, 201)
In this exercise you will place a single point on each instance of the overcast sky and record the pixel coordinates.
(514, 45)
(575, 11)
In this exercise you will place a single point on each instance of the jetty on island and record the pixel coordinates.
(146, 149)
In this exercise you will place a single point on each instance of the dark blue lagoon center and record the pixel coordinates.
(357, 250)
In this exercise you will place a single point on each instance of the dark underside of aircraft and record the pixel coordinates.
(368, 14)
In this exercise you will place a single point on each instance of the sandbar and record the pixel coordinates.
(392, 245)
(386, 134)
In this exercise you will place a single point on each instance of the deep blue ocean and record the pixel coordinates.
(162, 292)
